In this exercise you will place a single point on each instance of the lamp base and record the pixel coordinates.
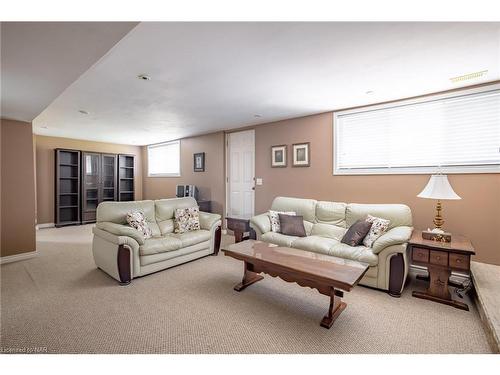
(434, 235)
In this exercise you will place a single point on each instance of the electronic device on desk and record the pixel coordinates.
(186, 191)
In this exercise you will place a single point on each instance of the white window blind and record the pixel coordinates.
(164, 159)
(459, 133)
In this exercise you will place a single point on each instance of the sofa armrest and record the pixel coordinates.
(395, 236)
(121, 230)
(261, 223)
(208, 220)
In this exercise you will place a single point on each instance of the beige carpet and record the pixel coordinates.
(61, 302)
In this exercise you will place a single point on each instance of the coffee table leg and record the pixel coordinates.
(249, 277)
(336, 307)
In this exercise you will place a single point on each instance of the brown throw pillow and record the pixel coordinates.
(356, 233)
(292, 225)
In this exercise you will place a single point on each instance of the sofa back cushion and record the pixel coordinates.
(165, 211)
(331, 213)
(397, 214)
(302, 207)
(116, 212)
(328, 231)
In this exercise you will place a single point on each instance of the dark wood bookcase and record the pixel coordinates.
(126, 176)
(83, 179)
(67, 187)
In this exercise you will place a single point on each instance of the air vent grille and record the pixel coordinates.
(466, 77)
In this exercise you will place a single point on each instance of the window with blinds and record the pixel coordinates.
(164, 159)
(458, 133)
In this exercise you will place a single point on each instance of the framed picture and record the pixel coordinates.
(278, 156)
(199, 162)
(301, 155)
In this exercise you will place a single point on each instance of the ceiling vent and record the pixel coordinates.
(466, 77)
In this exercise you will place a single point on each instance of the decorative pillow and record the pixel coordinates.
(137, 221)
(379, 226)
(186, 219)
(292, 225)
(275, 219)
(357, 232)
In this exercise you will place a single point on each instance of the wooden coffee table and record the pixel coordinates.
(330, 275)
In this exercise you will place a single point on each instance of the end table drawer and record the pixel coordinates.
(420, 254)
(439, 258)
(459, 261)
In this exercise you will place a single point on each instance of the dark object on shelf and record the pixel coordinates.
(98, 182)
(441, 258)
(126, 177)
(186, 191)
(240, 227)
(67, 187)
(199, 162)
(205, 206)
(435, 236)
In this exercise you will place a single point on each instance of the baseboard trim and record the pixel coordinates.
(18, 257)
(45, 225)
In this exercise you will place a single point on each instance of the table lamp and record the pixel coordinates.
(438, 188)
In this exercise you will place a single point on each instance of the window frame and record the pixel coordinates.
(462, 169)
(149, 147)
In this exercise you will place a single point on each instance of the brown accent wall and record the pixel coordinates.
(17, 188)
(475, 216)
(45, 168)
(210, 183)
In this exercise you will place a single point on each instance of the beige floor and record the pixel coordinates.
(61, 302)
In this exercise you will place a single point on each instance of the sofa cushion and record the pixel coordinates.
(397, 214)
(328, 231)
(359, 253)
(137, 221)
(159, 245)
(356, 233)
(331, 213)
(278, 239)
(186, 220)
(166, 226)
(302, 207)
(192, 237)
(314, 243)
(292, 225)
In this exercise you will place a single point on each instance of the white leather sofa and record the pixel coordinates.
(123, 253)
(326, 224)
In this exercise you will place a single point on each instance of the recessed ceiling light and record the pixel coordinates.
(83, 112)
(369, 92)
(144, 77)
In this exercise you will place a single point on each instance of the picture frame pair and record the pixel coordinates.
(301, 155)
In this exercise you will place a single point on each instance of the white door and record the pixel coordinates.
(240, 174)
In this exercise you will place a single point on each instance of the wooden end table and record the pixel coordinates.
(441, 258)
(240, 227)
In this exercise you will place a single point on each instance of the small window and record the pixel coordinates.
(164, 159)
(451, 133)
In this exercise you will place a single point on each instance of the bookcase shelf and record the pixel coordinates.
(67, 187)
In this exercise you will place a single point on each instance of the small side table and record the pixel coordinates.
(240, 227)
(205, 206)
(441, 258)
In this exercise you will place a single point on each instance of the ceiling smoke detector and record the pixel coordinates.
(144, 77)
(466, 77)
(83, 112)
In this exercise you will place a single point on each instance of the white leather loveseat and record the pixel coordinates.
(122, 252)
(326, 224)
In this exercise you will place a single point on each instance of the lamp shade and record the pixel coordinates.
(438, 187)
